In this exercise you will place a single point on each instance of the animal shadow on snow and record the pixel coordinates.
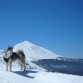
(25, 73)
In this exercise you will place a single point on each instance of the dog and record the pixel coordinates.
(9, 56)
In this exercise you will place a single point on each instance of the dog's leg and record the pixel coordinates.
(24, 62)
(24, 65)
(6, 66)
(10, 64)
(21, 64)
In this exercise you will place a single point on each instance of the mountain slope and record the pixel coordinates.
(33, 51)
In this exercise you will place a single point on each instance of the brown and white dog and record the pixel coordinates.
(9, 56)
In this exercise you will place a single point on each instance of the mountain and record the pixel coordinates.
(33, 51)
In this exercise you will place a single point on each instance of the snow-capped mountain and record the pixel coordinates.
(33, 51)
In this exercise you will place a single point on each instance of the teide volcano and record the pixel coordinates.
(33, 51)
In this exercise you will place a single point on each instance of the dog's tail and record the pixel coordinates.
(20, 53)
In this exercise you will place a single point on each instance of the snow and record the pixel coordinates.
(1, 51)
(38, 77)
(34, 73)
(33, 51)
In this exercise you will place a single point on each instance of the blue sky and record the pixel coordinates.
(54, 24)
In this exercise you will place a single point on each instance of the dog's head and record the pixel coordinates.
(8, 52)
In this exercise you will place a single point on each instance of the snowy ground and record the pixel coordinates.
(38, 77)
(35, 76)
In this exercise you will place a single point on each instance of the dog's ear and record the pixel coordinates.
(12, 46)
(8, 46)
